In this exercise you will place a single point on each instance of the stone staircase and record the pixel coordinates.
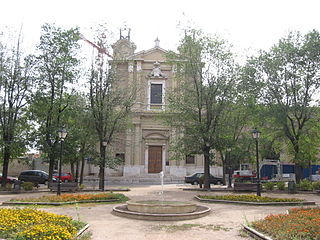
(142, 178)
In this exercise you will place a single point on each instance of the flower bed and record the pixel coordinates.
(27, 224)
(72, 198)
(299, 223)
(249, 198)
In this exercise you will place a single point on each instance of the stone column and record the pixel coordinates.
(128, 148)
(137, 144)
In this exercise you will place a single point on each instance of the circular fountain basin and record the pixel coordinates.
(161, 211)
(161, 206)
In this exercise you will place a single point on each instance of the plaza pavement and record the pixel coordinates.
(223, 223)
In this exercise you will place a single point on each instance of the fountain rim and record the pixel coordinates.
(124, 212)
(158, 203)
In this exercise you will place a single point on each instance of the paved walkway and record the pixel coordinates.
(223, 223)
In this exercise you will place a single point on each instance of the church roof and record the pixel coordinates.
(143, 53)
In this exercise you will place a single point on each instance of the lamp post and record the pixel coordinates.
(229, 168)
(62, 135)
(256, 136)
(104, 144)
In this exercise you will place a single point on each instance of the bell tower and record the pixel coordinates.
(123, 48)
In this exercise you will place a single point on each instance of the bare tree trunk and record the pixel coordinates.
(102, 166)
(82, 169)
(72, 168)
(5, 168)
(77, 170)
(206, 168)
(51, 166)
(224, 167)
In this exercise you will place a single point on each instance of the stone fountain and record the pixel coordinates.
(161, 210)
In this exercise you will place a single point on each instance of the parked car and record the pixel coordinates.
(65, 177)
(195, 179)
(35, 176)
(10, 180)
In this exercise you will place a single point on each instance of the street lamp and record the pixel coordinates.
(62, 133)
(229, 168)
(104, 144)
(256, 136)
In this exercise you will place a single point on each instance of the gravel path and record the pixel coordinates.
(223, 223)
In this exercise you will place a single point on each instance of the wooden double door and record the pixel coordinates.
(155, 159)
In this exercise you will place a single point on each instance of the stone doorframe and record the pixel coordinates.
(146, 156)
(155, 137)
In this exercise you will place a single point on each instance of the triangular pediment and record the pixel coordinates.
(155, 136)
(152, 54)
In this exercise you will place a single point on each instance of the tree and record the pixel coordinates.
(233, 134)
(110, 103)
(290, 74)
(57, 69)
(15, 86)
(81, 137)
(205, 85)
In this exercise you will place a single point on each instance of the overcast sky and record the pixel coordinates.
(247, 24)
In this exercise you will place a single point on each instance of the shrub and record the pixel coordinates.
(281, 185)
(27, 186)
(248, 198)
(269, 185)
(316, 185)
(201, 179)
(7, 187)
(76, 197)
(305, 185)
(82, 186)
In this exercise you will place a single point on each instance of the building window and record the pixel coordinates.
(190, 159)
(156, 93)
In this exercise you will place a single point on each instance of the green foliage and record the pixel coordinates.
(110, 100)
(316, 185)
(268, 185)
(7, 187)
(281, 185)
(289, 85)
(305, 185)
(201, 179)
(27, 186)
(57, 70)
(76, 197)
(15, 88)
(205, 87)
(248, 198)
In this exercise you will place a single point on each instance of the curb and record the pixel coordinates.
(82, 230)
(57, 203)
(257, 203)
(255, 234)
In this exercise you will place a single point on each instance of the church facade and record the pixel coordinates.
(145, 146)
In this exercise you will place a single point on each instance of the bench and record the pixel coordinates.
(64, 186)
